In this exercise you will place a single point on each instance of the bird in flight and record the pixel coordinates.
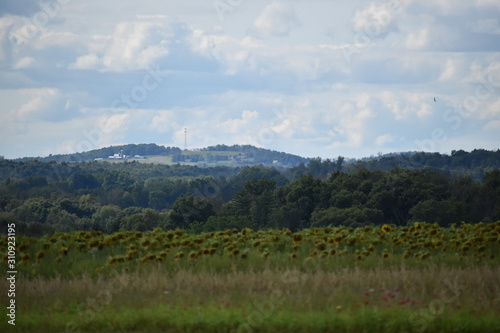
(435, 99)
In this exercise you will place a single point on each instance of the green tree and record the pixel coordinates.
(254, 201)
(355, 216)
(442, 212)
(189, 209)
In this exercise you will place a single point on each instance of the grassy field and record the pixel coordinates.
(421, 278)
(160, 159)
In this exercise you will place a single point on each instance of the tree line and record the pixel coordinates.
(47, 197)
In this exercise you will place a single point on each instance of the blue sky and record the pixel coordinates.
(310, 77)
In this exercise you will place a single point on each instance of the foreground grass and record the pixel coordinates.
(161, 318)
(420, 278)
(348, 300)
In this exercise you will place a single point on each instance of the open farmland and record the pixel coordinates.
(419, 278)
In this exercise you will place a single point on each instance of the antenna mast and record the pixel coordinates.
(185, 138)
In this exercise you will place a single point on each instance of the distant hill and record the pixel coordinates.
(260, 155)
(235, 155)
(459, 163)
(478, 159)
(129, 150)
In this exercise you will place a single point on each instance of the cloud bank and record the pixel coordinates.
(321, 78)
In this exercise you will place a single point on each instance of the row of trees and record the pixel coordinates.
(111, 200)
(459, 162)
(366, 197)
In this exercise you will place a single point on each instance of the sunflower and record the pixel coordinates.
(425, 255)
(386, 228)
(296, 238)
(25, 258)
(112, 260)
(321, 246)
(132, 254)
(94, 243)
(40, 255)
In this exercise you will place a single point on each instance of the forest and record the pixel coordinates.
(45, 197)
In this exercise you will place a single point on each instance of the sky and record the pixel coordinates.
(316, 78)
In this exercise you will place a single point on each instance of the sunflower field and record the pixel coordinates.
(374, 278)
(70, 254)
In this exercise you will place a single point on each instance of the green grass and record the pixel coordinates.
(346, 300)
(201, 318)
(160, 159)
(267, 281)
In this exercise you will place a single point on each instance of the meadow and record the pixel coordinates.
(418, 278)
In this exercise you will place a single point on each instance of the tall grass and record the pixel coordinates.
(418, 279)
(276, 295)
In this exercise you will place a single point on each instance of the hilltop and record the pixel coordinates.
(459, 162)
(235, 155)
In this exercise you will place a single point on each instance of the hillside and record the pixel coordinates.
(458, 163)
(235, 155)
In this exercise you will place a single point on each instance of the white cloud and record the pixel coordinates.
(449, 70)
(133, 45)
(43, 104)
(152, 17)
(393, 103)
(340, 86)
(492, 125)
(486, 26)
(352, 128)
(418, 40)
(488, 3)
(383, 139)
(277, 19)
(424, 111)
(164, 121)
(89, 61)
(136, 45)
(235, 126)
(112, 126)
(490, 108)
(376, 20)
(25, 62)
(229, 80)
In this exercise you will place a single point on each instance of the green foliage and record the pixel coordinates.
(146, 220)
(442, 212)
(109, 197)
(190, 209)
(354, 217)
